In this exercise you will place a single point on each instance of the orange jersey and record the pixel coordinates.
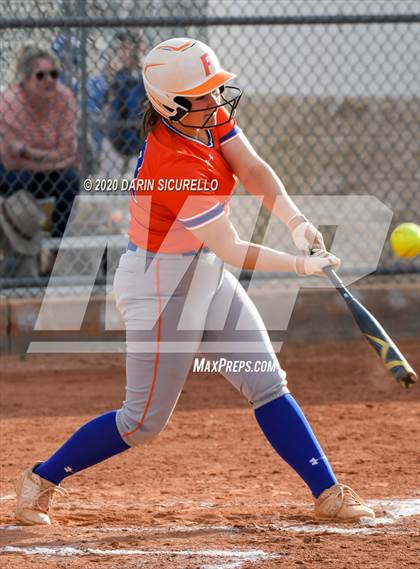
(180, 184)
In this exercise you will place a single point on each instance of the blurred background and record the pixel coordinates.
(331, 101)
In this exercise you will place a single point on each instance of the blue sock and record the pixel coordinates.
(290, 434)
(94, 442)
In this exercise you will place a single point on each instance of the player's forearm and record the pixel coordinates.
(251, 256)
(264, 181)
(222, 237)
(259, 258)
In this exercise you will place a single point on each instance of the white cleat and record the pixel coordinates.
(34, 498)
(342, 503)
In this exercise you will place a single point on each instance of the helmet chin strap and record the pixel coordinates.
(204, 125)
(180, 114)
(185, 108)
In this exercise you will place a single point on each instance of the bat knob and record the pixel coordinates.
(408, 380)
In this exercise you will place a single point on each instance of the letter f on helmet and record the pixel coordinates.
(180, 68)
(206, 63)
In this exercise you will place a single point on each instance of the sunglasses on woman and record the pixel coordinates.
(40, 75)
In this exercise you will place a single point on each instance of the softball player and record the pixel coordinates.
(172, 288)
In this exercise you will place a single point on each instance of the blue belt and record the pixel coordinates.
(133, 247)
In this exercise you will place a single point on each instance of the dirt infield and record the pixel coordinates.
(210, 493)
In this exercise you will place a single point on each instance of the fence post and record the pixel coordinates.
(81, 11)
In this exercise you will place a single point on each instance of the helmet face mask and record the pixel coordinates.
(179, 71)
(230, 97)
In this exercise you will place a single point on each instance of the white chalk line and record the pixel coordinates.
(322, 528)
(141, 529)
(234, 565)
(68, 551)
(8, 497)
(11, 528)
(394, 510)
(170, 529)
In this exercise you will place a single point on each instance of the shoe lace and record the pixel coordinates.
(350, 494)
(46, 496)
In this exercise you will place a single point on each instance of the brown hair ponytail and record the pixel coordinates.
(150, 118)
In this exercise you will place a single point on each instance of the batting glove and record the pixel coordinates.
(305, 236)
(306, 266)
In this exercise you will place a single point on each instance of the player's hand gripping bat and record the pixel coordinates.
(392, 358)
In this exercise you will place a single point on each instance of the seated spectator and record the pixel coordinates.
(38, 135)
(21, 221)
(126, 95)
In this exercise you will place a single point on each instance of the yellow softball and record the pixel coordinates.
(405, 240)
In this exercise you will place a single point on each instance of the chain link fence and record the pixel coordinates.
(331, 101)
